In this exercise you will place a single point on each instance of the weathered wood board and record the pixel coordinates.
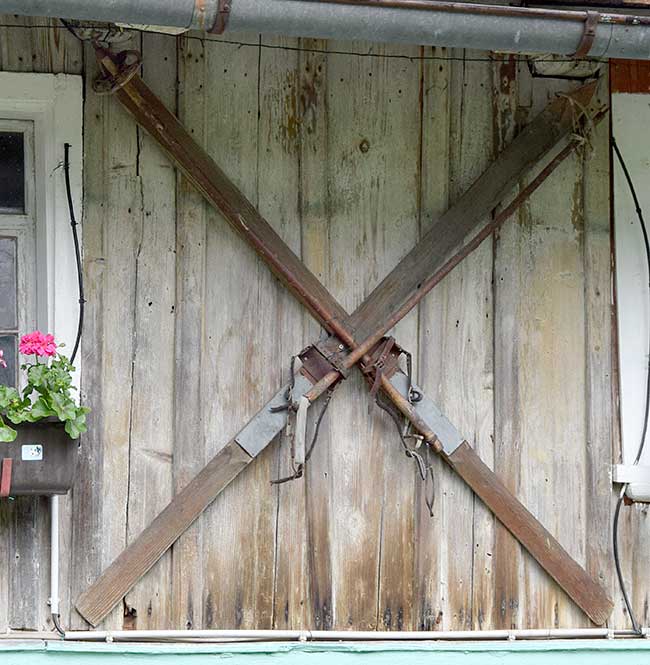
(349, 150)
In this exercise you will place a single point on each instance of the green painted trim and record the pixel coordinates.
(560, 652)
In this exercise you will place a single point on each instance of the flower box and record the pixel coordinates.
(40, 423)
(43, 458)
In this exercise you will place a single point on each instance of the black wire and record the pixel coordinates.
(77, 251)
(310, 450)
(70, 29)
(619, 572)
(300, 49)
(80, 279)
(57, 624)
(646, 243)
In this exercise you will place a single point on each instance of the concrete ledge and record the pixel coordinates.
(560, 652)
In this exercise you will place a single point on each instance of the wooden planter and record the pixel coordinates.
(43, 459)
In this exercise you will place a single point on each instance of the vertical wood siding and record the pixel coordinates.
(350, 150)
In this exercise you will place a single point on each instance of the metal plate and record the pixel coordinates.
(450, 438)
(31, 452)
(265, 426)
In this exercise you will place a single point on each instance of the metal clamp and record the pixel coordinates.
(333, 358)
(128, 63)
(223, 14)
(589, 34)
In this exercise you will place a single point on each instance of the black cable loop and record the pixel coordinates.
(77, 250)
(619, 503)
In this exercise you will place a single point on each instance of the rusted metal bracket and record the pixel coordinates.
(589, 34)
(314, 363)
(335, 353)
(127, 65)
(223, 14)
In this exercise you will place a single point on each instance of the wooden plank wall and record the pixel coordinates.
(350, 150)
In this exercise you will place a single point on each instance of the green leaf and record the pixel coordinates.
(63, 406)
(8, 395)
(7, 435)
(40, 409)
(36, 375)
(78, 425)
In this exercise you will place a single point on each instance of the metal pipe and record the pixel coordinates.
(196, 14)
(54, 555)
(344, 635)
(450, 24)
(445, 23)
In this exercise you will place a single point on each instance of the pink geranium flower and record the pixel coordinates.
(2, 360)
(38, 344)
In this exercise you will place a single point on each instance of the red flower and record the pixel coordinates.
(38, 344)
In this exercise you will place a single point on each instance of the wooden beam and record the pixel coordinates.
(405, 288)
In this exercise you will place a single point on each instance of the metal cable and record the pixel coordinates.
(77, 250)
(619, 503)
(57, 625)
(300, 49)
(425, 469)
(80, 280)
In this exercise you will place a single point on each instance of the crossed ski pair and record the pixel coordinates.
(356, 339)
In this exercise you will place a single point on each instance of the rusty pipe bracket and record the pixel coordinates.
(223, 14)
(588, 35)
(127, 63)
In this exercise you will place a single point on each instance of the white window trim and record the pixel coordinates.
(21, 225)
(629, 117)
(54, 102)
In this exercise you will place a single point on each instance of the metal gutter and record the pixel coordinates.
(449, 24)
(197, 14)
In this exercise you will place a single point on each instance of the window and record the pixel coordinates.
(17, 240)
(39, 113)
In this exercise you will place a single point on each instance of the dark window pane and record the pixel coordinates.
(8, 373)
(8, 290)
(12, 172)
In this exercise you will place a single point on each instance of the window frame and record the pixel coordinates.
(54, 104)
(22, 227)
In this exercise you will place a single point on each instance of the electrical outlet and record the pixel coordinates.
(32, 452)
